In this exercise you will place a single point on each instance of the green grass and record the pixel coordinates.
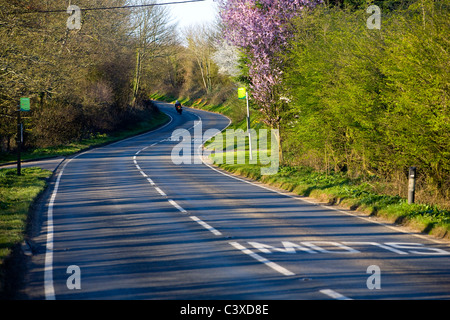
(17, 193)
(355, 194)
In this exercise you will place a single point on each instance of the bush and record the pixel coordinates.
(372, 102)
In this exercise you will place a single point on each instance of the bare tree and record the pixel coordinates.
(201, 46)
(155, 35)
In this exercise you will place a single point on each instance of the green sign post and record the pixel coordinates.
(242, 93)
(24, 105)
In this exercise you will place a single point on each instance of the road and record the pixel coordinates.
(138, 226)
(47, 164)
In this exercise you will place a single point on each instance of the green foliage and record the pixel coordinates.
(93, 140)
(371, 101)
(79, 81)
(16, 196)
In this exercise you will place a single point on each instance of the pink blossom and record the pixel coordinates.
(261, 28)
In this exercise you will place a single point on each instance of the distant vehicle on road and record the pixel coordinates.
(178, 107)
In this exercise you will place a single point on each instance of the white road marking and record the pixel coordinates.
(333, 294)
(257, 257)
(161, 192)
(151, 181)
(49, 289)
(343, 248)
(314, 245)
(143, 173)
(206, 226)
(375, 244)
(176, 205)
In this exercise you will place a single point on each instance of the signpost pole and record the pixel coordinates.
(248, 129)
(24, 105)
(19, 142)
(242, 94)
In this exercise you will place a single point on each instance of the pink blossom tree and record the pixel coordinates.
(261, 28)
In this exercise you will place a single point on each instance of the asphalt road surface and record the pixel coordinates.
(46, 164)
(124, 222)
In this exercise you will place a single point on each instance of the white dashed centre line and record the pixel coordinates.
(333, 294)
(161, 192)
(206, 226)
(176, 205)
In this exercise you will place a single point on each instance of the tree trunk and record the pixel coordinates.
(137, 78)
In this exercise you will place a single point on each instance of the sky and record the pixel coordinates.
(187, 14)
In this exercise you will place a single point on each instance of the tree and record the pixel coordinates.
(154, 36)
(261, 28)
(227, 58)
(76, 89)
(371, 102)
(201, 46)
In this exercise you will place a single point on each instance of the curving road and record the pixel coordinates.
(138, 226)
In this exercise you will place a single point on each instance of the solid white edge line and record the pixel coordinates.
(49, 289)
(333, 294)
(257, 257)
(206, 226)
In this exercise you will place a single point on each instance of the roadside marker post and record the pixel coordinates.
(411, 184)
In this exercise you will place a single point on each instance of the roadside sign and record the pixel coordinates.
(24, 104)
(242, 93)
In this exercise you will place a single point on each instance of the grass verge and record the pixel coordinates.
(332, 188)
(17, 194)
(354, 194)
